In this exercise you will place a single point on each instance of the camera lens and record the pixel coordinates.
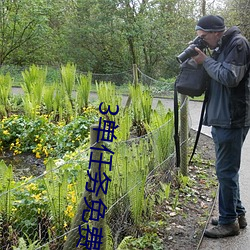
(187, 53)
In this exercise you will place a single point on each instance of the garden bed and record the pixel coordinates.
(179, 221)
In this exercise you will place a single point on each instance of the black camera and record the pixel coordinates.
(190, 51)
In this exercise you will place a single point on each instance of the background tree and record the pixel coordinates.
(237, 13)
(21, 25)
(104, 36)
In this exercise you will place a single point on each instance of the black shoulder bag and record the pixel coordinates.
(191, 81)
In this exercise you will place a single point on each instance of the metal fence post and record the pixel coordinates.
(184, 135)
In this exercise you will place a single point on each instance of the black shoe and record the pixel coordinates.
(241, 219)
(221, 231)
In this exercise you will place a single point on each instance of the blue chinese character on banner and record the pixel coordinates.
(105, 112)
(99, 181)
(108, 130)
(103, 183)
(97, 210)
(101, 161)
(93, 239)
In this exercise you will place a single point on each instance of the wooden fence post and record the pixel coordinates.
(135, 74)
(135, 82)
(95, 169)
(73, 236)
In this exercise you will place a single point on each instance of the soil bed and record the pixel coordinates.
(25, 164)
(178, 221)
(187, 222)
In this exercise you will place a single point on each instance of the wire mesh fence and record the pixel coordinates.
(38, 213)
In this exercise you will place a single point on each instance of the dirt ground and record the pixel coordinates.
(187, 223)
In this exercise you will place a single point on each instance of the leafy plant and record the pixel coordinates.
(43, 137)
(161, 129)
(30, 208)
(22, 245)
(147, 241)
(6, 184)
(83, 91)
(68, 74)
(48, 98)
(141, 103)
(5, 90)
(34, 81)
(165, 189)
(107, 95)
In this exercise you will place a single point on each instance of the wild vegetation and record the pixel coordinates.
(55, 126)
(104, 36)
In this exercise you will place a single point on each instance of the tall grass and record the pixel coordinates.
(141, 105)
(68, 74)
(6, 184)
(33, 86)
(5, 90)
(83, 91)
(107, 94)
(161, 132)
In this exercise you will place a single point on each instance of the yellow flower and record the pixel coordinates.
(69, 211)
(38, 155)
(37, 196)
(31, 187)
(73, 199)
(45, 151)
(6, 132)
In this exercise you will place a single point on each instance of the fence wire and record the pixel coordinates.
(47, 203)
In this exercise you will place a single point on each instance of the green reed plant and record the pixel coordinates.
(107, 94)
(56, 184)
(62, 106)
(5, 90)
(135, 92)
(124, 120)
(83, 90)
(33, 85)
(68, 74)
(136, 181)
(48, 98)
(141, 105)
(129, 172)
(161, 129)
(6, 184)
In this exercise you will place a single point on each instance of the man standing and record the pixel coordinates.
(228, 112)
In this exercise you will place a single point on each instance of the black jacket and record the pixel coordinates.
(229, 90)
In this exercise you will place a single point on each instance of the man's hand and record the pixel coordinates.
(200, 58)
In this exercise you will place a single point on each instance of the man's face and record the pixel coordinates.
(211, 38)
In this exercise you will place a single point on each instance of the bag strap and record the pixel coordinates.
(176, 126)
(199, 127)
